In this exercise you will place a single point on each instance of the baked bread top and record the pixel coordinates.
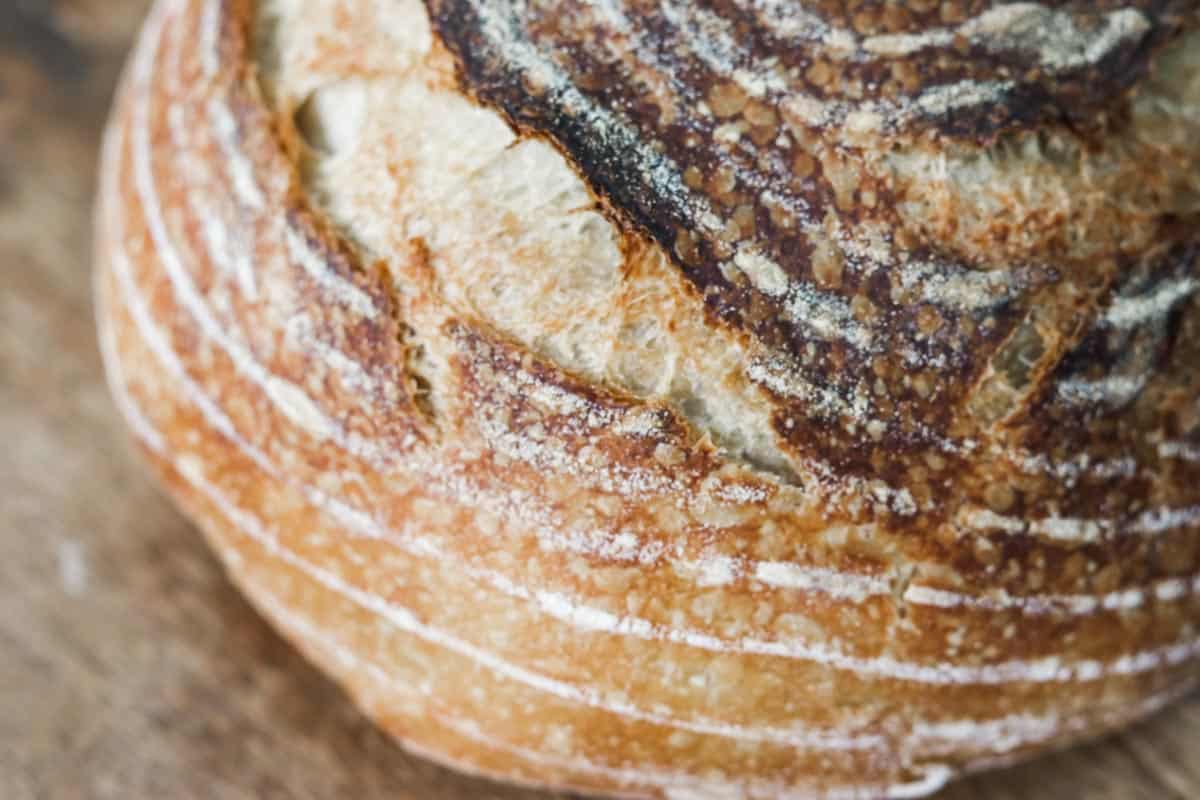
(610, 370)
(941, 252)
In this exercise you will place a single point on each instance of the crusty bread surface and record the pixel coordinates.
(731, 399)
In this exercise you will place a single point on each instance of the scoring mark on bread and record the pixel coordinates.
(893, 334)
(799, 234)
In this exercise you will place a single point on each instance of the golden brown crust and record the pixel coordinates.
(537, 573)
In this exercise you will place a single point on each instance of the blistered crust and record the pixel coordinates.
(473, 439)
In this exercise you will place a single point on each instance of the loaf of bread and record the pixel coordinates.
(722, 399)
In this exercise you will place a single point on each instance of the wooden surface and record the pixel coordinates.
(129, 667)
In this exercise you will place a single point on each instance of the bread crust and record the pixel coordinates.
(531, 564)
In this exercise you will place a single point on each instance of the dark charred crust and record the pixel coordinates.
(601, 146)
(1140, 352)
(639, 114)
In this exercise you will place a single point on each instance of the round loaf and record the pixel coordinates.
(724, 399)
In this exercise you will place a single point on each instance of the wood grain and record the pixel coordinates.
(129, 667)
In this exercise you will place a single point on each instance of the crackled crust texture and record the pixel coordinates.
(681, 400)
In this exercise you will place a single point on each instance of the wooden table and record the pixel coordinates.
(129, 667)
